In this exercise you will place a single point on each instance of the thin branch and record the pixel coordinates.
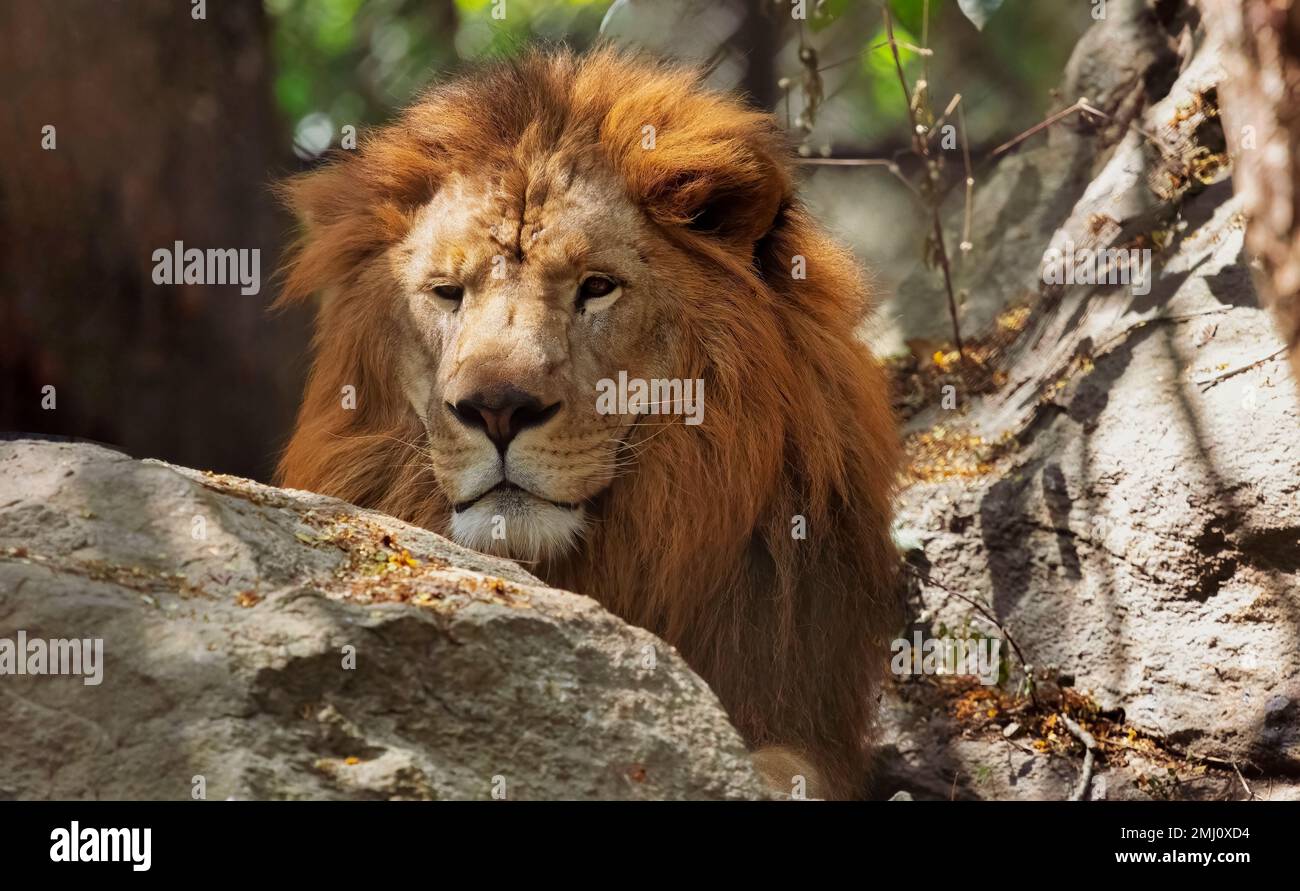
(1082, 104)
(1209, 382)
(922, 149)
(1104, 347)
(966, 245)
(1250, 796)
(1151, 138)
(1089, 759)
(837, 64)
(925, 40)
(1039, 127)
(947, 282)
(919, 50)
(943, 118)
(891, 166)
(1024, 663)
(902, 79)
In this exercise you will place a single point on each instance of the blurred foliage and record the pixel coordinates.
(575, 22)
(343, 62)
(1005, 72)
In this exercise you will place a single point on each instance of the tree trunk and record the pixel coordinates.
(759, 42)
(163, 131)
(1261, 109)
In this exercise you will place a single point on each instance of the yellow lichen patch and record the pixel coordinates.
(945, 361)
(437, 589)
(989, 712)
(945, 452)
(380, 570)
(371, 549)
(403, 559)
(1201, 104)
(1013, 319)
(138, 578)
(935, 374)
(1080, 366)
(1186, 160)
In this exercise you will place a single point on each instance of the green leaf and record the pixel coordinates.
(979, 11)
(882, 77)
(827, 13)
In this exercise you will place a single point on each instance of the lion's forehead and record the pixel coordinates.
(569, 220)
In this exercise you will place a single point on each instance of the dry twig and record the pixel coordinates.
(1209, 382)
(983, 611)
(1089, 759)
(921, 146)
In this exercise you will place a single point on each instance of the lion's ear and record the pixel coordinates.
(730, 191)
(722, 175)
(736, 205)
(349, 209)
(319, 200)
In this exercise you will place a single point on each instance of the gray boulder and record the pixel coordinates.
(1136, 520)
(268, 643)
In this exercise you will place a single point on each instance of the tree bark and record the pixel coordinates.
(164, 131)
(759, 41)
(1261, 108)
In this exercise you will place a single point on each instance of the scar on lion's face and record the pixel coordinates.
(518, 298)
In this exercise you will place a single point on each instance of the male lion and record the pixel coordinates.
(526, 232)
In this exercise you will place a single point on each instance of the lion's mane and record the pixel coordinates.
(699, 542)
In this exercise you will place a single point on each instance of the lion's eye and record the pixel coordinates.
(597, 292)
(454, 293)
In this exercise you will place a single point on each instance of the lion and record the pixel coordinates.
(537, 227)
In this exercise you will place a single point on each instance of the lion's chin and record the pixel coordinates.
(518, 525)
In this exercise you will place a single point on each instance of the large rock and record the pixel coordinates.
(230, 612)
(1134, 517)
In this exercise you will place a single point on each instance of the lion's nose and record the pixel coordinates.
(502, 413)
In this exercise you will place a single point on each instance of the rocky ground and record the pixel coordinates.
(1116, 474)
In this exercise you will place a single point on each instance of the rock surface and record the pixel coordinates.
(230, 613)
(1136, 523)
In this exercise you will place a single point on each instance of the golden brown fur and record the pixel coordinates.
(692, 538)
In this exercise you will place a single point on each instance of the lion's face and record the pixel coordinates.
(514, 312)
